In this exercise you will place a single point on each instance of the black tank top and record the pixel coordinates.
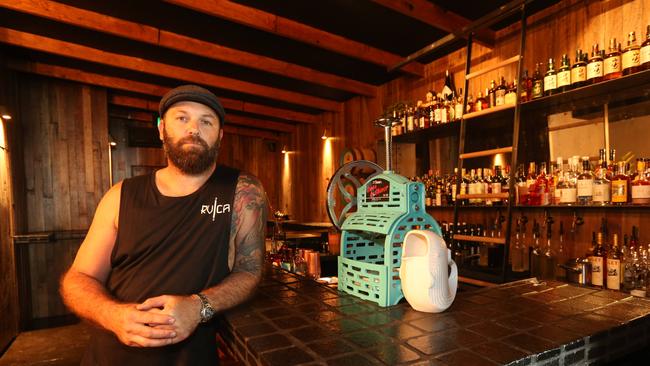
(168, 246)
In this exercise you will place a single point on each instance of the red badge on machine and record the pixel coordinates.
(378, 190)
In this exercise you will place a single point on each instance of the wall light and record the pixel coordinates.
(6, 116)
(284, 149)
(324, 137)
(4, 113)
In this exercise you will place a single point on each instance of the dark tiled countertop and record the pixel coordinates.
(292, 320)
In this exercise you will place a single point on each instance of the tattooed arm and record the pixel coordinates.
(245, 259)
(246, 245)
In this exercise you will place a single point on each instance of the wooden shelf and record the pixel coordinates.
(485, 195)
(626, 89)
(478, 154)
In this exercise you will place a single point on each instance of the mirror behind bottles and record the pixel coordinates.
(583, 132)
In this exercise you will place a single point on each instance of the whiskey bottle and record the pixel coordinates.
(538, 83)
(614, 266)
(511, 94)
(585, 184)
(566, 187)
(595, 66)
(612, 62)
(579, 70)
(526, 88)
(631, 58)
(620, 185)
(421, 111)
(564, 75)
(491, 94)
(550, 78)
(640, 186)
(645, 51)
(500, 93)
(602, 188)
(481, 103)
(458, 107)
(597, 262)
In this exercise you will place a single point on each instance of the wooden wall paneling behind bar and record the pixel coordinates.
(9, 309)
(66, 156)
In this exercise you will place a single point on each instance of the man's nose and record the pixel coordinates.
(192, 127)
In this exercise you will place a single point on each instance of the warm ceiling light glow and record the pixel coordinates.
(113, 143)
(324, 137)
(6, 116)
(284, 149)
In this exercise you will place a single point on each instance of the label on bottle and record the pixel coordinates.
(409, 123)
(563, 78)
(601, 193)
(458, 112)
(511, 98)
(613, 274)
(594, 70)
(596, 270)
(438, 198)
(550, 82)
(443, 115)
(568, 195)
(421, 124)
(585, 187)
(645, 54)
(619, 191)
(612, 64)
(538, 89)
(578, 74)
(500, 96)
(496, 187)
(640, 192)
(436, 115)
(453, 192)
(631, 58)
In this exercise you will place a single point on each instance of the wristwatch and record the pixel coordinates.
(207, 311)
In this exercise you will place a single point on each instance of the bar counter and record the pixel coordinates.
(292, 320)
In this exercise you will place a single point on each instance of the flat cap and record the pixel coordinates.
(192, 93)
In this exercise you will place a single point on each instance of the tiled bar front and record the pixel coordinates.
(293, 320)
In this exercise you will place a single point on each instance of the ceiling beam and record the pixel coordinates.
(106, 24)
(438, 17)
(73, 50)
(227, 129)
(138, 103)
(111, 82)
(291, 29)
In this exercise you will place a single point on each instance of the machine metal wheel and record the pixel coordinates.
(342, 188)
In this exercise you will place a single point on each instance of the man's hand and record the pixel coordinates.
(137, 328)
(185, 310)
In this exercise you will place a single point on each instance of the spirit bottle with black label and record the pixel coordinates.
(550, 78)
(614, 266)
(537, 83)
(564, 74)
(597, 262)
(579, 70)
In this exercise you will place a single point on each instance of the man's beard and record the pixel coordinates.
(192, 161)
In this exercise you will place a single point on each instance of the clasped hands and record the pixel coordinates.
(156, 322)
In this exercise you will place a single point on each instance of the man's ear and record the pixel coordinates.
(161, 127)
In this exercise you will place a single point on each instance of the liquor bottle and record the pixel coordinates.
(497, 184)
(491, 94)
(521, 189)
(614, 266)
(566, 187)
(595, 66)
(631, 58)
(538, 83)
(579, 70)
(557, 176)
(409, 119)
(597, 262)
(458, 112)
(500, 93)
(612, 62)
(444, 111)
(645, 51)
(550, 78)
(421, 112)
(541, 186)
(602, 188)
(585, 186)
(481, 103)
(611, 166)
(620, 185)
(448, 88)
(640, 186)
(526, 88)
(564, 75)
(511, 94)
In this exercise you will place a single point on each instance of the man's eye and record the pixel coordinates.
(206, 122)
(181, 118)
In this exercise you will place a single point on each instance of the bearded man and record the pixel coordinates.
(169, 250)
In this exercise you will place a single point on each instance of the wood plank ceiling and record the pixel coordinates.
(274, 64)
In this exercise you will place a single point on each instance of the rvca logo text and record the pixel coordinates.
(215, 209)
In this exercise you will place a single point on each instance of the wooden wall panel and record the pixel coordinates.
(9, 148)
(65, 152)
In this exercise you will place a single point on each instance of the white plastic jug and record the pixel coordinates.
(426, 281)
